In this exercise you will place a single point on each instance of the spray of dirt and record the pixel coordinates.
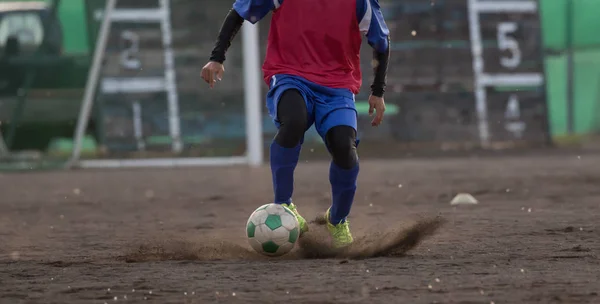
(392, 243)
(172, 249)
(313, 245)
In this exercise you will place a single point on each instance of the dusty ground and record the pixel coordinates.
(154, 236)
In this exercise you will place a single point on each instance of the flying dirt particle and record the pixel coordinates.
(77, 191)
(437, 280)
(365, 291)
(374, 63)
(149, 194)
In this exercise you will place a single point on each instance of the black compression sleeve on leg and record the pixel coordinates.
(293, 119)
(341, 142)
(381, 61)
(231, 26)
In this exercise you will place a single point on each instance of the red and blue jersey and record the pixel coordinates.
(318, 40)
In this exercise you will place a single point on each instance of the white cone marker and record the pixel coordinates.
(464, 199)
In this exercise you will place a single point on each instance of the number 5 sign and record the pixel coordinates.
(508, 43)
(510, 59)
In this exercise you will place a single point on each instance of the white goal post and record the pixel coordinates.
(252, 95)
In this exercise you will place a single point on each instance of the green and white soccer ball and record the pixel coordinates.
(272, 230)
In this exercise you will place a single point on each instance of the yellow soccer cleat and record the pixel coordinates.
(340, 233)
(301, 221)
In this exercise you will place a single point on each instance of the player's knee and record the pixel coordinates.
(290, 132)
(293, 119)
(341, 142)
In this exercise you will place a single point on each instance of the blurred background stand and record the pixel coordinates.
(21, 69)
(3, 150)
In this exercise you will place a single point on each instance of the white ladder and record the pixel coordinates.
(124, 85)
(167, 84)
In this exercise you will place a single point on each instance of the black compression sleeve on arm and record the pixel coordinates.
(381, 61)
(231, 26)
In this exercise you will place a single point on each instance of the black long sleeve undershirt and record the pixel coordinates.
(381, 61)
(231, 26)
(233, 23)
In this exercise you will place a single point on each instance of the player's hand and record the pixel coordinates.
(212, 72)
(377, 106)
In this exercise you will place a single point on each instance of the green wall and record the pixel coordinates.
(72, 16)
(586, 75)
(586, 92)
(585, 27)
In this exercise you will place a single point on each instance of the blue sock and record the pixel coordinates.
(343, 187)
(283, 164)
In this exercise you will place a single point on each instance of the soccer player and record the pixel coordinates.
(312, 68)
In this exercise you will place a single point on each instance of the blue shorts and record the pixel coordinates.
(326, 107)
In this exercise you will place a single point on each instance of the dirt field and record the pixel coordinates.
(177, 236)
